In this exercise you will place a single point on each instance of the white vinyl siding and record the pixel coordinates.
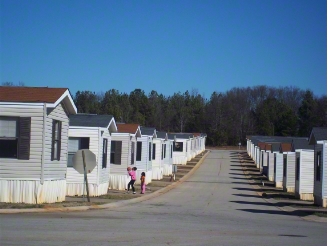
(182, 153)
(304, 184)
(99, 176)
(278, 174)
(56, 169)
(158, 153)
(25, 169)
(271, 167)
(289, 179)
(142, 164)
(125, 156)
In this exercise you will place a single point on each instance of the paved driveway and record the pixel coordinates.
(216, 206)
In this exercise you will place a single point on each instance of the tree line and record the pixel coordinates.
(226, 117)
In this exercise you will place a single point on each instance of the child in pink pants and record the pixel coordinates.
(143, 183)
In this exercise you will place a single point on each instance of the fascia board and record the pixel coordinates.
(25, 105)
(112, 123)
(65, 94)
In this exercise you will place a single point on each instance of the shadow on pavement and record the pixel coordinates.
(245, 195)
(296, 212)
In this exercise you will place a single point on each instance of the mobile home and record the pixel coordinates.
(34, 123)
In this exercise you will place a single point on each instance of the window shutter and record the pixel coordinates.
(132, 153)
(118, 152)
(59, 140)
(104, 157)
(53, 141)
(85, 142)
(154, 151)
(24, 138)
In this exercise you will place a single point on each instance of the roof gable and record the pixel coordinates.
(129, 128)
(318, 134)
(51, 96)
(285, 147)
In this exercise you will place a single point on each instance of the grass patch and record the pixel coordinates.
(320, 214)
(4, 205)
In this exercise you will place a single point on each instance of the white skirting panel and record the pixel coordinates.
(189, 157)
(118, 182)
(32, 191)
(149, 175)
(167, 169)
(94, 190)
(180, 160)
(157, 173)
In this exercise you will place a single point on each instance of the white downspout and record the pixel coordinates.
(43, 142)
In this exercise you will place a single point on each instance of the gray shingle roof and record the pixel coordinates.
(161, 134)
(301, 144)
(318, 134)
(273, 139)
(149, 131)
(180, 135)
(90, 120)
(275, 147)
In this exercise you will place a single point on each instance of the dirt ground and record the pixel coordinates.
(111, 196)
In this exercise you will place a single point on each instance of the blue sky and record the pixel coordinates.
(162, 45)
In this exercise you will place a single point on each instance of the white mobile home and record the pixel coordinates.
(271, 161)
(203, 141)
(34, 124)
(167, 153)
(123, 154)
(181, 147)
(304, 173)
(289, 171)
(278, 169)
(318, 138)
(304, 168)
(87, 131)
(144, 153)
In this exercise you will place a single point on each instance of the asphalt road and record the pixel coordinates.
(216, 206)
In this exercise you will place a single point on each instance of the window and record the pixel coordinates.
(285, 166)
(104, 153)
(116, 152)
(186, 146)
(56, 140)
(178, 147)
(132, 153)
(75, 144)
(171, 151)
(139, 148)
(318, 166)
(149, 151)
(15, 137)
(297, 168)
(154, 151)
